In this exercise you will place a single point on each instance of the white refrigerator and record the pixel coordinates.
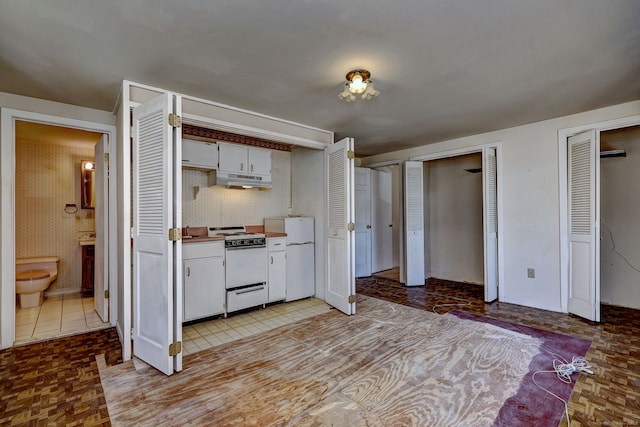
(300, 254)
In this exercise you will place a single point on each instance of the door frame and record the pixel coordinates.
(499, 184)
(8, 118)
(563, 136)
(400, 190)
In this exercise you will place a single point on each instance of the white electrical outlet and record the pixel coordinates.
(531, 273)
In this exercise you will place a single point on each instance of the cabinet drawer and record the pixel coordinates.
(250, 296)
(202, 249)
(276, 244)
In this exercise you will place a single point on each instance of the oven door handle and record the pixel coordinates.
(237, 248)
(246, 291)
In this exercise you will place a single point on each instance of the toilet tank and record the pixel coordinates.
(47, 263)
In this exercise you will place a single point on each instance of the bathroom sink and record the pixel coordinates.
(86, 238)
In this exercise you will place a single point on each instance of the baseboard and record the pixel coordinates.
(62, 292)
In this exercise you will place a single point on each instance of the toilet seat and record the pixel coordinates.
(32, 275)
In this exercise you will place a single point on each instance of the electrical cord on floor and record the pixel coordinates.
(563, 371)
(464, 303)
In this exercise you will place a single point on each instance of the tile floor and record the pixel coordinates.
(201, 336)
(58, 316)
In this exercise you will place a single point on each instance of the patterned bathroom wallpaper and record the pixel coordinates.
(47, 178)
(219, 206)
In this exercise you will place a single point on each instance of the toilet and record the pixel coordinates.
(33, 277)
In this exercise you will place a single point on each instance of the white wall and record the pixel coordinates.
(531, 217)
(454, 224)
(219, 206)
(619, 213)
(33, 105)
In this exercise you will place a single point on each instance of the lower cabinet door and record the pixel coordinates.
(277, 276)
(204, 291)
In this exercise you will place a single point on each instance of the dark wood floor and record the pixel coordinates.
(611, 397)
(57, 382)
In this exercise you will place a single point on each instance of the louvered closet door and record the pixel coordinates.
(340, 212)
(583, 242)
(414, 223)
(153, 294)
(489, 182)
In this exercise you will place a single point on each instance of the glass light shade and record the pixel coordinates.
(357, 85)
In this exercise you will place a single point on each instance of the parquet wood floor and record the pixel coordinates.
(57, 382)
(611, 397)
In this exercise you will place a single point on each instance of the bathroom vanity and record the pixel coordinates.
(88, 255)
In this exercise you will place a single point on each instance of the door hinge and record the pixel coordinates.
(351, 154)
(175, 120)
(352, 299)
(106, 293)
(175, 348)
(106, 157)
(175, 234)
(351, 226)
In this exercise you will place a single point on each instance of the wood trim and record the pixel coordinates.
(199, 133)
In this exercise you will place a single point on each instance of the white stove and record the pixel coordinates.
(246, 268)
(238, 237)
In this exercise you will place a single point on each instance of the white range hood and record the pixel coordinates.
(235, 180)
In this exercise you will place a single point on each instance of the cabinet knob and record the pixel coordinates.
(271, 260)
(241, 166)
(368, 226)
(188, 271)
(252, 167)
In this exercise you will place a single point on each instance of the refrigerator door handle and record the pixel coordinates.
(299, 244)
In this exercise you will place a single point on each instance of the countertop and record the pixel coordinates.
(199, 234)
(272, 234)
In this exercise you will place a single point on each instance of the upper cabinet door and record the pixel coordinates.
(199, 154)
(259, 161)
(240, 159)
(232, 158)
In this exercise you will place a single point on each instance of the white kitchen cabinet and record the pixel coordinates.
(203, 279)
(202, 155)
(277, 263)
(240, 159)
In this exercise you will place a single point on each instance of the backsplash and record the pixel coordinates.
(215, 206)
(48, 177)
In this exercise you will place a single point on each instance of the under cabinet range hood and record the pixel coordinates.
(235, 180)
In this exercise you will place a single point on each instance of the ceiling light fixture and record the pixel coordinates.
(358, 82)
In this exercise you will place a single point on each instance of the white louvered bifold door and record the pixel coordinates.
(153, 293)
(340, 237)
(414, 223)
(490, 216)
(583, 268)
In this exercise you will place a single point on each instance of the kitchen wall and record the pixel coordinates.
(454, 226)
(530, 221)
(47, 178)
(218, 206)
(619, 213)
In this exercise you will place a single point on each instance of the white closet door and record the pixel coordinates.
(490, 214)
(101, 211)
(584, 271)
(382, 247)
(363, 205)
(414, 223)
(153, 211)
(341, 283)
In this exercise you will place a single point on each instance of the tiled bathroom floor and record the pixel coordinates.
(202, 336)
(58, 316)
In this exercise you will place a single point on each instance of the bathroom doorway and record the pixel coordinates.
(56, 215)
(42, 157)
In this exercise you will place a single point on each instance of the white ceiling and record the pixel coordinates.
(444, 68)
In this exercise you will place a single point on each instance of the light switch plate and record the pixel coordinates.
(531, 273)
